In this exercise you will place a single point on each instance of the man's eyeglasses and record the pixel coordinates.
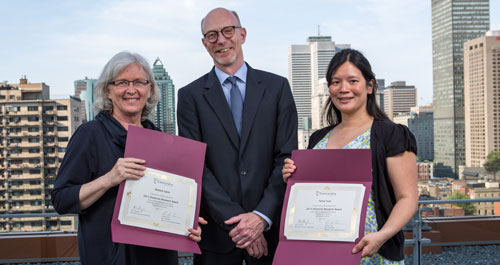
(125, 83)
(227, 32)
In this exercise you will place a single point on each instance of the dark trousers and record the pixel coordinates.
(235, 257)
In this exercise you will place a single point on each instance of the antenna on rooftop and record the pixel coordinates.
(319, 34)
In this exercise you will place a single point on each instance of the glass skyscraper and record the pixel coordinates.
(84, 89)
(453, 23)
(164, 113)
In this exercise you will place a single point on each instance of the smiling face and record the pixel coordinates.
(349, 90)
(128, 102)
(226, 52)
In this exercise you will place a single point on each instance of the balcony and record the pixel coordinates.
(32, 144)
(48, 112)
(25, 208)
(27, 197)
(49, 144)
(27, 176)
(15, 134)
(49, 133)
(20, 166)
(27, 187)
(25, 155)
(26, 134)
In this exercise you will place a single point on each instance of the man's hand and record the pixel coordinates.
(258, 248)
(250, 227)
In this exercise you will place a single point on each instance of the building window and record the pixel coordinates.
(34, 140)
(62, 107)
(62, 118)
(34, 150)
(32, 118)
(65, 222)
(32, 108)
(62, 128)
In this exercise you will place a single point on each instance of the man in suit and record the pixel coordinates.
(248, 119)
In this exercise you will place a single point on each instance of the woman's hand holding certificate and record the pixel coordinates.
(159, 201)
(324, 211)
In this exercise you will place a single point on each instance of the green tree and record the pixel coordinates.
(492, 164)
(469, 208)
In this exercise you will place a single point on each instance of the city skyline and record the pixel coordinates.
(58, 42)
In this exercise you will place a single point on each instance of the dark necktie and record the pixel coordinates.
(236, 103)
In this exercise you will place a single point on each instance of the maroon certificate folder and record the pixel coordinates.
(165, 152)
(326, 166)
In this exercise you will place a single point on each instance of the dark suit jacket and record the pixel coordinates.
(240, 175)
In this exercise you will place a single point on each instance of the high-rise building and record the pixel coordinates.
(84, 90)
(453, 23)
(319, 97)
(34, 133)
(164, 113)
(398, 98)
(482, 98)
(307, 64)
(421, 125)
(379, 96)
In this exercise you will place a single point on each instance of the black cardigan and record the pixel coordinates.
(386, 139)
(92, 152)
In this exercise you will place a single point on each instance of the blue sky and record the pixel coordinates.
(57, 42)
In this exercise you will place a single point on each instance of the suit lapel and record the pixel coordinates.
(253, 96)
(217, 101)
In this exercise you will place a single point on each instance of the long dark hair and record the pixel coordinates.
(332, 114)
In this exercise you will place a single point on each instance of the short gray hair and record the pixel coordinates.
(233, 12)
(113, 68)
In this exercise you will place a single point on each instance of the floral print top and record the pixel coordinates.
(363, 142)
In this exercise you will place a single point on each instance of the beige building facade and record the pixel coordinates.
(485, 208)
(34, 133)
(482, 98)
(399, 98)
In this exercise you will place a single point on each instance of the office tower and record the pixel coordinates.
(379, 96)
(84, 90)
(399, 98)
(482, 98)
(164, 113)
(453, 23)
(319, 97)
(307, 64)
(34, 133)
(421, 124)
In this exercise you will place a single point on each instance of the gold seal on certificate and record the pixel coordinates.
(159, 201)
(324, 211)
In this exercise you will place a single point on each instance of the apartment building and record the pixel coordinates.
(34, 133)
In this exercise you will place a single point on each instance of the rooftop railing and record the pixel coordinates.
(59, 246)
(482, 234)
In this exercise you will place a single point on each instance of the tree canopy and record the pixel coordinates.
(492, 164)
(469, 208)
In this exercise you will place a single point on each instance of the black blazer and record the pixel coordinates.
(240, 175)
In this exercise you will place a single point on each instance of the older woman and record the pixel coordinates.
(87, 182)
(356, 122)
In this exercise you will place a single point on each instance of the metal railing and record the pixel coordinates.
(418, 224)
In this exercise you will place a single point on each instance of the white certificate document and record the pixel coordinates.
(159, 201)
(324, 211)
